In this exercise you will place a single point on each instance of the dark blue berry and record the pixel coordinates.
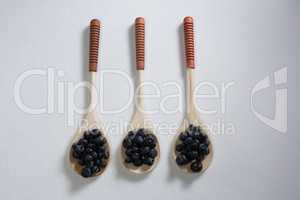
(188, 141)
(94, 154)
(98, 162)
(130, 134)
(88, 157)
(192, 155)
(153, 153)
(196, 166)
(94, 169)
(181, 160)
(86, 172)
(137, 162)
(179, 147)
(78, 148)
(140, 132)
(89, 150)
(89, 163)
(127, 142)
(150, 141)
(135, 156)
(138, 140)
(145, 150)
(129, 152)
(95, 133)
(83, 142)
(183, 136)
(148, 161)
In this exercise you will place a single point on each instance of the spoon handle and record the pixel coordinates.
(189, 42)
(140, 43)
(94, 44)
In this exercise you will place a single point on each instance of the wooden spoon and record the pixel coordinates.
(192, 114)
(91, 120)
(139, 120)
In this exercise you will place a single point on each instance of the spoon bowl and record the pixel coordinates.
(138, 122)
(192, 118)
(91, 122)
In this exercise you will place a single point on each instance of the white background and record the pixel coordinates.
(238, 41)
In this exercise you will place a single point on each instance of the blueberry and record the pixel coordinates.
(135, 156)
(98, 162)
(150, 141)
(206, 152)
(100, 149)
(188, 141)
(192, 155)
(94, 169)
(148, 161)
(77, 148)
(195, 130)
(138, 140)
(129, 152)
(100, 155)
(181, 160)
(91, 146)
(95, 133)
(83, 142)
(183, 136)
(195, 145)
(130, 134)
(203, 148)
(88, 157)
(140, 132)
(196, 135)
(145, 150)
(94, 154)
(137, 162)
(179, 147)
(86, 172)
(127, 142)
(203, 138)
(89, 163)
(153, 153)
(200, 157)
(135, 150)
(89, 150)
(87, 135)
(96, 141)
(196, 166)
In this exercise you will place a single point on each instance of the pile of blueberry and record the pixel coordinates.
(191, 148)
(139, 148)
(91, 152)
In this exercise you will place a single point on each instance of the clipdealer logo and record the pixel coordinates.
(279, 120)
